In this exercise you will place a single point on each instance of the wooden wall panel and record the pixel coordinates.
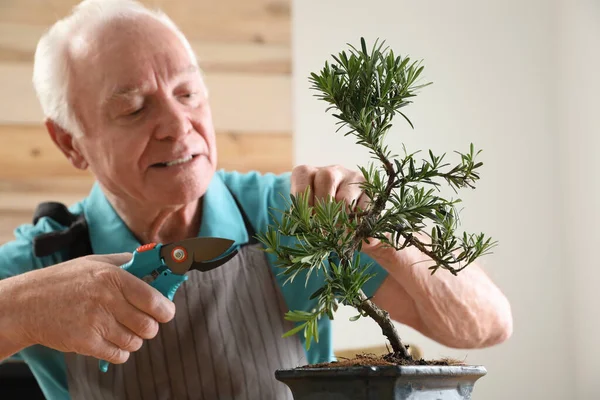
(243, 102)
(33, 170)
(244, 47)
(18, 42)
(261, 21)
(28, 152)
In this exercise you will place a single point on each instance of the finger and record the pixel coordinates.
(123, 338)
(108, 351)
(302, 179)
(146, 298)
(350, 189)
(363, 201)
(350, 193)
(138, 322)
(326, 183)
(94, 344)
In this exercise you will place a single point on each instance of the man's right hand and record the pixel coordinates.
(88, 305)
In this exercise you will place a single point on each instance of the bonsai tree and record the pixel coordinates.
(367, 89)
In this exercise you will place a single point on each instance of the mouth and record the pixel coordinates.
(178, 161)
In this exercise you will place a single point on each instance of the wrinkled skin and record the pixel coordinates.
(114, 310)
(465, 311)
(141, 104)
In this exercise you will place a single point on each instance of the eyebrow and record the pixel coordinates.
(190, 69)
(123, 92)
(129, 90)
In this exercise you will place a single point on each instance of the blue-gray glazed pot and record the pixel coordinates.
(427, 382)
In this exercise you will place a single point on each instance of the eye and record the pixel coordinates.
(132, 112)
(135, 112)
(189, 98)
(127, 107)
(187, 95)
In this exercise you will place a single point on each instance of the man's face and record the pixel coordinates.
(148, 131)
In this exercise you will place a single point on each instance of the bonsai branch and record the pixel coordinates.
(434, 257)
(367, 90)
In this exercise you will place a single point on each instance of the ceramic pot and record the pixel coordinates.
(382, 383)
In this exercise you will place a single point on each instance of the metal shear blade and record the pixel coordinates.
(200, 253)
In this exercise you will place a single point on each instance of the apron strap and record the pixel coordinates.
(249, 228)
(74, 239)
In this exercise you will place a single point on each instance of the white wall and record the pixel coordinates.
(495, 67)
(579, 90)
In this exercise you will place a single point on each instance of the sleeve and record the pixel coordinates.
(17, 257)
(263, 197)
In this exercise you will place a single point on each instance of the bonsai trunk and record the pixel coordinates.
(382, 318)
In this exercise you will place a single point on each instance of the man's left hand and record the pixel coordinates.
(335, 181)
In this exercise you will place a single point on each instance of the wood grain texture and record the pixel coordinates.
(244, 48)
(33, 170)
(19, 198)
(239, 102)
(250, 21)
(18, 43)
(10, 221)
(28, 152)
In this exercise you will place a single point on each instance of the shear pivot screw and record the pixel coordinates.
(179, 254)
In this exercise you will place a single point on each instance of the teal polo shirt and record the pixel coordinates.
(258, 194)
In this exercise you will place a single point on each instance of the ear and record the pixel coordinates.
(67, 144)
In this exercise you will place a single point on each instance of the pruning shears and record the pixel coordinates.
(164, 266)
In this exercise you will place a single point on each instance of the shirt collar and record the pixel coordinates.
(108, 232)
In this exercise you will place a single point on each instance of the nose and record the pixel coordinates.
(174, 121)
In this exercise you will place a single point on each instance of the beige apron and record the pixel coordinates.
(224, 342)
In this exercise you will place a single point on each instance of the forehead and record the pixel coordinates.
(128, 53)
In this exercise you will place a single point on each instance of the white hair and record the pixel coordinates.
(51, 66)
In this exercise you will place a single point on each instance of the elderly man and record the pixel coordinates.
(124, 97)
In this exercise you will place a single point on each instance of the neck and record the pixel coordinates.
(159, 225)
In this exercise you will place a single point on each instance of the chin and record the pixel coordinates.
(180, 184)
(183, 191)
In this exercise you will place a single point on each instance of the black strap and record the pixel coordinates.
(74, 239)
